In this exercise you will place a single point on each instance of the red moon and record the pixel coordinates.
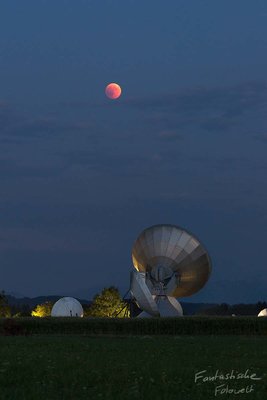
(113, 91)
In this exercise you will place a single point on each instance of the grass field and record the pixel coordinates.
(70, 367)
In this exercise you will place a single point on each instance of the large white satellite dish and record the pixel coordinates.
(169, 262)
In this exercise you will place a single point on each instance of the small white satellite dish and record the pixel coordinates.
(263, 313)
(67, 307)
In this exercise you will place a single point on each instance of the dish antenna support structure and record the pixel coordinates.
(169, 262)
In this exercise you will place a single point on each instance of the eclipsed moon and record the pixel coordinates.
(113, 91)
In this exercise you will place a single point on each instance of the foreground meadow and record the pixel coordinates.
(70, 367)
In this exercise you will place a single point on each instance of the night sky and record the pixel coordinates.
(186, 143)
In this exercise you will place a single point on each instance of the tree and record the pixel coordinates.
(20, 310)
(86, 310)
(108, 304)
(4, 306)
(42, 310)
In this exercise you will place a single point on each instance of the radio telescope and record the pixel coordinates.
(67, 307)
(263, 313)
(169, 262)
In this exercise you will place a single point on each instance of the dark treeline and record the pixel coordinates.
(9, 307)
(225, 309)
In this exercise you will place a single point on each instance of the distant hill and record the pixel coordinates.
(188, 308)
(32, 302)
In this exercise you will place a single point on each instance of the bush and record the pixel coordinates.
(42, 310)
(150, 326)
(11, 327)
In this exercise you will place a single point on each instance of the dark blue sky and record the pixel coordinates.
(81, 176)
